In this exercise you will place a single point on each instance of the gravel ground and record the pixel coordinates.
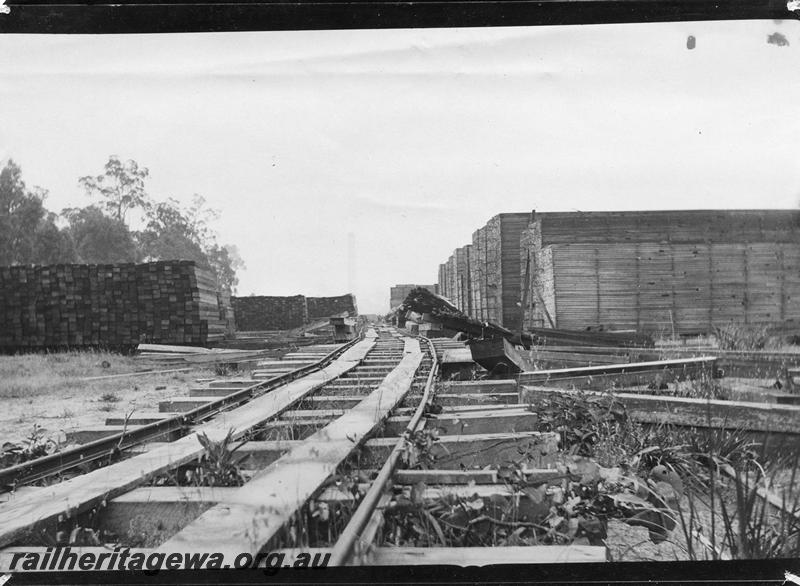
(49, 390)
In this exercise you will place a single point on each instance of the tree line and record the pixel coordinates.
(101, 231)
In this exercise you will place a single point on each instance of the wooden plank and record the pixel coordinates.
(269, 500)
(545, 375)
(85, 491)
(459, 399)
(457, 356)
(137, 373)
(433, 477)
(472, 422)
(747, 416)
(481, 386)
(469, 451)
(172, 349)
(486, 556)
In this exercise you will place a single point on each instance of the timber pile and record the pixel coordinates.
(261, 312)
(662, 271)
(171, 302)
(675, 288)
(322, 307)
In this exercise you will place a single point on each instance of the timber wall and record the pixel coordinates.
(76, 305)
(323, 307)
(629, 270)
(264, 312)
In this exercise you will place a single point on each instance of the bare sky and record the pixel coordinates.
(409, 139)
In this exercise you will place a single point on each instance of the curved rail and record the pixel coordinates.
(345, 546)
(110, 446)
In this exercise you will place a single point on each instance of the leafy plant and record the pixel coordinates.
(36, 445)
(582, 420)
(218, 466)
(419, 448)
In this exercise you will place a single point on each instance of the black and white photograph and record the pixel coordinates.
(390, 298)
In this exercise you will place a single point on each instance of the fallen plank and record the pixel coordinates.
(267, 502)
(459, 399)
(84, 491)
(173, 349)
(433, 477)
(532, 377)
(489, 421)
(472, 451)
(480, 386)
(746, 416)
(622, 375)
(137, 373)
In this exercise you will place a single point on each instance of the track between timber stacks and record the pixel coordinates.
(321, 449)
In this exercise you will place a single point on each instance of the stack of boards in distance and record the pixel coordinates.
(166, 302)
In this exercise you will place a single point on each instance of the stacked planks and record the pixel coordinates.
(170, 302)
(675, 288)
(322, 307)
(264, 312)
(646, 269)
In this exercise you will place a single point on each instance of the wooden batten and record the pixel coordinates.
(734, 415)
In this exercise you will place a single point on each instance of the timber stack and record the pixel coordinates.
(325, 307)
(679, 272)
(113, 305)
(265, 312)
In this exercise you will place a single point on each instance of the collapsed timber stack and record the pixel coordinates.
(167, 302)
(681, 272)
(398, 293)
(491, 344)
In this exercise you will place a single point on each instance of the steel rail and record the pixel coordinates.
(345, 546)
(59, 462)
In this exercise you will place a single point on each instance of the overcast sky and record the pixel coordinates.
(409, 139)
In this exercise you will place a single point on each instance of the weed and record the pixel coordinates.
(218, 465)
(110, 398)
(581, 420)
(36, 445)
(742, 337)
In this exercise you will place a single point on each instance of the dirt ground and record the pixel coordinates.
(50, 390)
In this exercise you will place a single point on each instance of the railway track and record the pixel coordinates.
(337, 457)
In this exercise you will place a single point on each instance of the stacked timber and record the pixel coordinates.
(659, 271)
(670, 226)
(322, 307)
(264, 312)
(674, 288)
(168, 302)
